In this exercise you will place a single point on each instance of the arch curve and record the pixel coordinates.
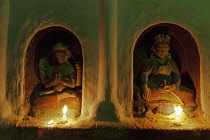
(39, 47)
(184, 51)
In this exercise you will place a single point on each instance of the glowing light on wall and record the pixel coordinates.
(178, 111)
(50, 122)
(64, 117)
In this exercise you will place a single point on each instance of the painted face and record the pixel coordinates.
(161, 50)
(60, 57)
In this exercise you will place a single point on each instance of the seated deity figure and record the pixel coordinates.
(58, 80)
(160, 81)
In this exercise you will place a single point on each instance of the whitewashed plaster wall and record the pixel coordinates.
(4, 20)
(107, 31)
(135, 16)
(26, 18)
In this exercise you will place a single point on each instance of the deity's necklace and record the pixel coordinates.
(162, 67)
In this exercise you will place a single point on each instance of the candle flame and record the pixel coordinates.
(178, 110)
(65, 109)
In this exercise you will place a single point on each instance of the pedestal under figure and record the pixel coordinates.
(57, 87)
(159, 87)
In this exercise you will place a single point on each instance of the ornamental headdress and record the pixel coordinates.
(161, 39)
(59, 47)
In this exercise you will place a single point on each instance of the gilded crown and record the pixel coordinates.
(60, 47)
(162, 39)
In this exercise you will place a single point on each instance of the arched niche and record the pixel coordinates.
(184, 51)
(40, 47)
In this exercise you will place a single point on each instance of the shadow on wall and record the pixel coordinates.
(43, 47)
(183, 50)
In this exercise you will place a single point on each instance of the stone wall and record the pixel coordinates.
(107, 31)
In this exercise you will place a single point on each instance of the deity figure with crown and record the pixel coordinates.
(58, 80)
(160, 81)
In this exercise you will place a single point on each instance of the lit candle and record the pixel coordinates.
(64, 117)
(178, 111)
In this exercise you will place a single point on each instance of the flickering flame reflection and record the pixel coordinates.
(64, 117)
(178, 111)
(65, 109)
(50, 122)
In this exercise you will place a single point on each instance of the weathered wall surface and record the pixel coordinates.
(136, 16)
(5, 106)
(107, 37)
(26, 18)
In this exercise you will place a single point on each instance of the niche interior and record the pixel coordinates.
(42, 46)
(184, 52)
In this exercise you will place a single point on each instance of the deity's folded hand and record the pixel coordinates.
(57, 79)
(167, 88)
(59, 76)
(54, 82)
